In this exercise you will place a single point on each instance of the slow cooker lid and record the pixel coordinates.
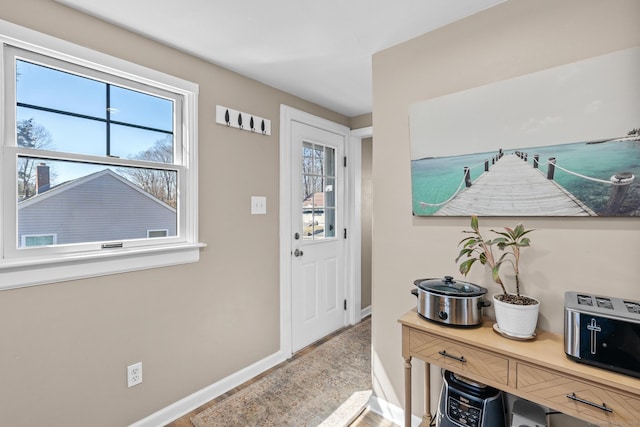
(450, 287)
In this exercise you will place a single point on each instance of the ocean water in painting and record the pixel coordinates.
(435, 180)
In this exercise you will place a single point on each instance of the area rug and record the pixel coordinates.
(329, 387)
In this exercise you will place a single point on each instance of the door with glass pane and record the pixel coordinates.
(318, 270)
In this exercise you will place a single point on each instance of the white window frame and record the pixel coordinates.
(35, 267)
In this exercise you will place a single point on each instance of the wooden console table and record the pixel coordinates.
(536, 370)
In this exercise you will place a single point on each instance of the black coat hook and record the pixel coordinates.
(240, 120)
(253, 129)
(262, 127)
(226, 118)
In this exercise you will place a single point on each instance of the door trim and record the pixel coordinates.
(354, 192)
(287, 116)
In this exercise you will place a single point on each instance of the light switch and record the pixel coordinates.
(258, 205)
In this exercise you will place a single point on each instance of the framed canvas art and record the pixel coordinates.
(560, 142)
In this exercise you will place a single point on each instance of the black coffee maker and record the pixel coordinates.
(466, 403)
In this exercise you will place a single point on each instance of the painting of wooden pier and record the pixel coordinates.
(559, 142)
(513, 187)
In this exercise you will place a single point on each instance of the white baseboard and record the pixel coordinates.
(176, 410)
(365, 312)
(390, 411)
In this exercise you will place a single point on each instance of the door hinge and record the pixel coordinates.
(345, 161)
(345, 233)
(345, 304)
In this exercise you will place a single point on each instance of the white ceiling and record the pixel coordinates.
(319, 50)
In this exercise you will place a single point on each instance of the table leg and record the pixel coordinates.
(427, 417)
(407, 392)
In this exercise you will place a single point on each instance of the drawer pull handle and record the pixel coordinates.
(459, 359)
(573, 396)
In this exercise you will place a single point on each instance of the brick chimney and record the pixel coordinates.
(42, 178)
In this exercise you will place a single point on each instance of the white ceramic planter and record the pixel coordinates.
(518, 321)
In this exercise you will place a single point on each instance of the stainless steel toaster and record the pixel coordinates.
(603, 331)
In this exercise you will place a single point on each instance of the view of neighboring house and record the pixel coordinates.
(313, 214)
(78, 211)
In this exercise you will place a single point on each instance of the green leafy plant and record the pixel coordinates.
(508, 243)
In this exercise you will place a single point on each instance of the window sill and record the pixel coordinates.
(32, 272)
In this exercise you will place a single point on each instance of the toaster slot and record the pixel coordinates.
(632, 307)
(604, 303)
(585, 300)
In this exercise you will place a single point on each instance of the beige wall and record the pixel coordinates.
(361, 121)
(515, 38)
(64, 347)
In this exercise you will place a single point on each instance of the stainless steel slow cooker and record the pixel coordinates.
(451, 302)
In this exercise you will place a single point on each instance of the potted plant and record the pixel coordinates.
(516, 314)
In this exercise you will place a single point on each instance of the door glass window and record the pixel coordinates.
(318, 189)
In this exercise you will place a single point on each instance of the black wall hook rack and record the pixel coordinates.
(224, 116)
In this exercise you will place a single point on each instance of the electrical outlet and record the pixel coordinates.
(134, 374)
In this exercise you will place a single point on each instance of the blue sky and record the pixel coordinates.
(46, 87)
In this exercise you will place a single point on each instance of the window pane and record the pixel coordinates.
(307, 159)
(38, 240)
(58, 132)
(329, 222)
(318, 180)
(330, 161)
(132, 107)
(157, 233)
(312, 212)
(49, 88)
(329, 193)
(313, 191)
(79, 202)
(134, 143)
(318, 155)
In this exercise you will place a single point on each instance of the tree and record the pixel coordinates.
(161, 184)
(30, 135)
(313, 158)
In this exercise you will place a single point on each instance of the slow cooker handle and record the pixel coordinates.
(483, 303)
(415, 292)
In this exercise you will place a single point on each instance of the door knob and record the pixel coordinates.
(298, 252)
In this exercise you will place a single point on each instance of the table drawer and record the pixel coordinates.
(587, 401)
(460, 358)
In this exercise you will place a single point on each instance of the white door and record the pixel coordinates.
(318, 290)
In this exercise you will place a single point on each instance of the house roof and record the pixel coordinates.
(66, 186)
(314, 200)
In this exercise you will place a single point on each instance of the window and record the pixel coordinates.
(318, 179)
(157, 233)
(98, 161)
(38, 240)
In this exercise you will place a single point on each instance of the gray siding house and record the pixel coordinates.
(102, 206)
